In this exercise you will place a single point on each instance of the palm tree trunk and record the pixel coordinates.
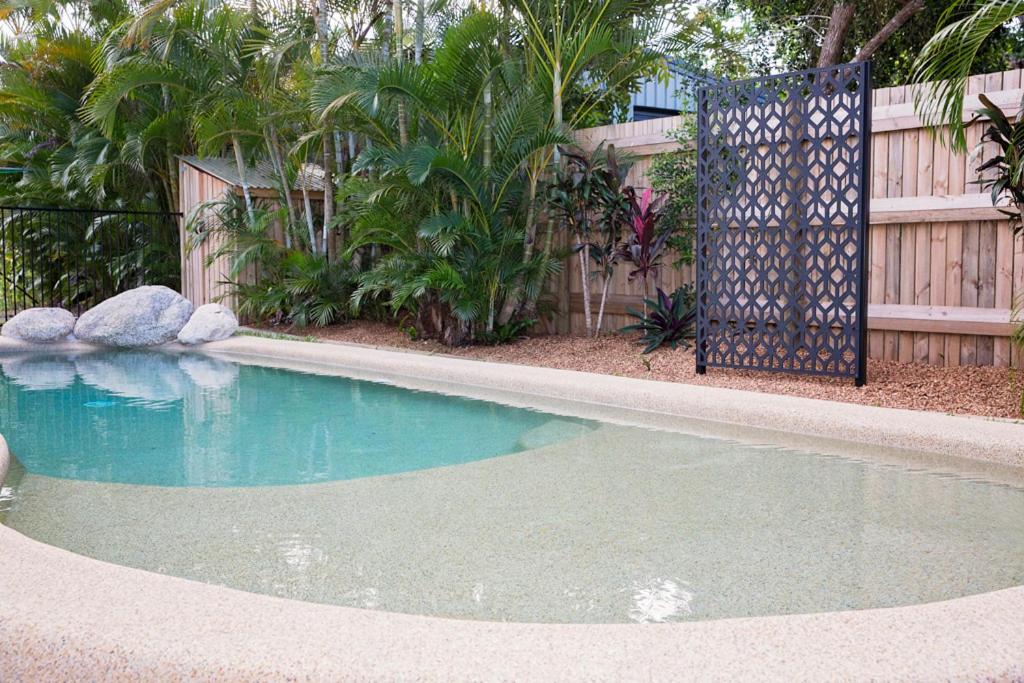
(328, 192)
(403, 125)
(514, 301)
(418, 51)
(275, 157)
(172, 183)
(240, 164)
(605, 281)
(584, 256)
(323, 38)
(308, 206)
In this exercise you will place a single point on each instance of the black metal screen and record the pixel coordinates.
(75, 258)
(783, 187)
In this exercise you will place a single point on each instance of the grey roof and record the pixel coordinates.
(260, 177)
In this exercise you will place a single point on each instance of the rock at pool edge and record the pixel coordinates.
(209, 323)
(145, 316)
(40, 325)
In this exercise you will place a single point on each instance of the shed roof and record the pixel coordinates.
(260, 177)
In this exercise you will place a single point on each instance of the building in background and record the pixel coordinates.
(657, 98)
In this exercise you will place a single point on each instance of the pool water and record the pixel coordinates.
(581, 521)
(136, 417)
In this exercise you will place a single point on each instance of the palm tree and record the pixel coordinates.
(944, 65)
(449, 223)
(607, 45)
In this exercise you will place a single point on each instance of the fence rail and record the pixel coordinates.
(75, 258)
(945, 268)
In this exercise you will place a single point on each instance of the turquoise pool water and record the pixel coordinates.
(154, 418)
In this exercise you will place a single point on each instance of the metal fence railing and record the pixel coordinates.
(75, 258)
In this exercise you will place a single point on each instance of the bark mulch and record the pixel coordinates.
(986, 391)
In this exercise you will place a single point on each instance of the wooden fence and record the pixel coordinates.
(944, 268)
(205, 270)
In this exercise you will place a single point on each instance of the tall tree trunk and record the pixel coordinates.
(275, 158)
(328, 193)
(835, 35)
(246, 194)
(514, 301)
(308, 206)
(403, 125)
(172, 183)
(584, 256)
(328, 157)
(418, 50)
(488, 124)
(605, 282)
(556, 102)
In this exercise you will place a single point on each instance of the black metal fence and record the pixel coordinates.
(75, 258)
(782, 215)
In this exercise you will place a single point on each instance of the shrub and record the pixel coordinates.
(669, 319)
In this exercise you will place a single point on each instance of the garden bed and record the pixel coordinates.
(986, 391)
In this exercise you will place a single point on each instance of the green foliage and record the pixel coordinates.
(675, 175)
(1003, 173)
(438, 161)
(299, 288)
(947, 60)
(78, 259)
(795, 28)
(1003, 176)
(589, 197)
(509, 332)
(668, 320)
(447, 210)
(290, 285)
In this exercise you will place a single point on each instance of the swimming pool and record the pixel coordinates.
(486, 511)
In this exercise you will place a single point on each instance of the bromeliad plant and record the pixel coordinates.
(670, 319)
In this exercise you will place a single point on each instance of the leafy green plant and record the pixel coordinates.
(589, 197)
(509, 332)
(1005, 176)
(669, 319)
(1006, 169)
(299, 288)
(674, 174)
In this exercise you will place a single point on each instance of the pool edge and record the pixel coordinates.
(977, 438)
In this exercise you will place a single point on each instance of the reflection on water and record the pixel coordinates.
(658, 601)
(39, 374)
(147, 417)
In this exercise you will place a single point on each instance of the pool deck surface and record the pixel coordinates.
(67, 617)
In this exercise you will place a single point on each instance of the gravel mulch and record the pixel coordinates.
(986, 391)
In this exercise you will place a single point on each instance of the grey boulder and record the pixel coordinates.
(209, 323)
(40, 325)
(145, 316)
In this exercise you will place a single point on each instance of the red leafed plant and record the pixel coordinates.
(645, 244)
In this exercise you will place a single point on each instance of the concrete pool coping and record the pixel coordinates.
(56, 620)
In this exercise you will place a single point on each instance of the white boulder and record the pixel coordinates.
(145, 316)
(209, 323)
(40, 325)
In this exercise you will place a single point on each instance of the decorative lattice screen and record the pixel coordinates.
(782, 213)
